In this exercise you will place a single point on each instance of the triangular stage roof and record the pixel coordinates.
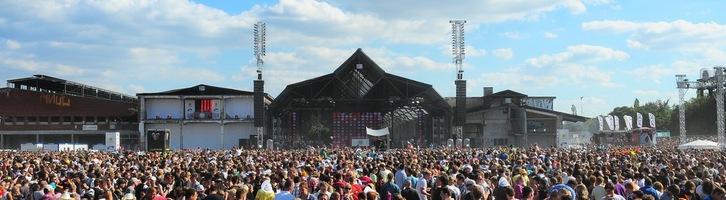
(200, 90)
(359, 84)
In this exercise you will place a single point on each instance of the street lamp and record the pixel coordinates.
(582, 112)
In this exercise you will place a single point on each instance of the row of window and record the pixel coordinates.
(21, 120)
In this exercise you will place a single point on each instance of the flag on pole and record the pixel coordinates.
(639, 119)
(628, 122)
(617, 122)
(599, 120)
(651, 117)
(609, 120)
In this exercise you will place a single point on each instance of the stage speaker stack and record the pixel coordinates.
(460, 111)
(259, 101)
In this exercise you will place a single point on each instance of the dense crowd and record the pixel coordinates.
(534, 173)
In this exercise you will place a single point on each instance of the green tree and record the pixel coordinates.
(661, 109)
(636, 103)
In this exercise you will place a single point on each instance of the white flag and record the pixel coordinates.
(599, 120)
(628, 122)
(639, 119)
(609, 120)
(651, 117)
(617, 122)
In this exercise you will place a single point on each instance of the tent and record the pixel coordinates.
(377, 133)
(699, 144)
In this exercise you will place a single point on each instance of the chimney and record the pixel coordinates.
(488, 91)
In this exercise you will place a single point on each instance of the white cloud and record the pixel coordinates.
(472, 51)
(598, 2)
(578, 65)
(517, 80)
(35, 66)
(616, 26)
(505, 53)
(679, 35)
(658, 72)
(550, 35)
(12, 44)
(512, 35)
(477, 11)
(579, 53)
(152, 56)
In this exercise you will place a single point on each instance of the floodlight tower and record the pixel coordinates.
(457, 51)
(259, 84)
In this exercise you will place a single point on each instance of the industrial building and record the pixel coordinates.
(46, 110)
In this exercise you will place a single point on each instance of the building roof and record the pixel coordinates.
(359, 84)
(199, 90)
(565, 116)
(45, 83)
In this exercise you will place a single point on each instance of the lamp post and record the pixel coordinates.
(582, 112)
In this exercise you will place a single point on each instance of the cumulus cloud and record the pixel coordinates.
(185, 41)
(550, 35)
(678, 35)
(512, 35)
(479, 11)
(577, 65)
(579, 53)
(12, 44)
(35, 66)
(505, 53)
(656, 73)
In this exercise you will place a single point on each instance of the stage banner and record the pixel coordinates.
(609, 120)
(639, 118)
(617, 122)
(628, 122)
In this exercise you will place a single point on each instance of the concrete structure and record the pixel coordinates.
(42, 110)
(202, 116)
(512, 118)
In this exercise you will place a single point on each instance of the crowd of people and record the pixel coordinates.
(500, 173)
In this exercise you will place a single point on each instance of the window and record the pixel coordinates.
(8, 120)
(101, 119)
(90, 119)
(78, 119)
(32, 119)
(55, 119)
(66, 119)
(43, 119)
(20, 120)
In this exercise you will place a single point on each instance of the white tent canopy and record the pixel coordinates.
(377, 133)
(699, 144)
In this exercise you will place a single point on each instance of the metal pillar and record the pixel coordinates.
(719, 104)
(682, 86)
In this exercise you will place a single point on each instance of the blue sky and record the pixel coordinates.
(607, 52)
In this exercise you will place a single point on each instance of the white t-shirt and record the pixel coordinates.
(598, 192)
(421, 185)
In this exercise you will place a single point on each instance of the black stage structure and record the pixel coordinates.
(335, 109)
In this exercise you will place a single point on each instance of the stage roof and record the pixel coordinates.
(360, 85)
